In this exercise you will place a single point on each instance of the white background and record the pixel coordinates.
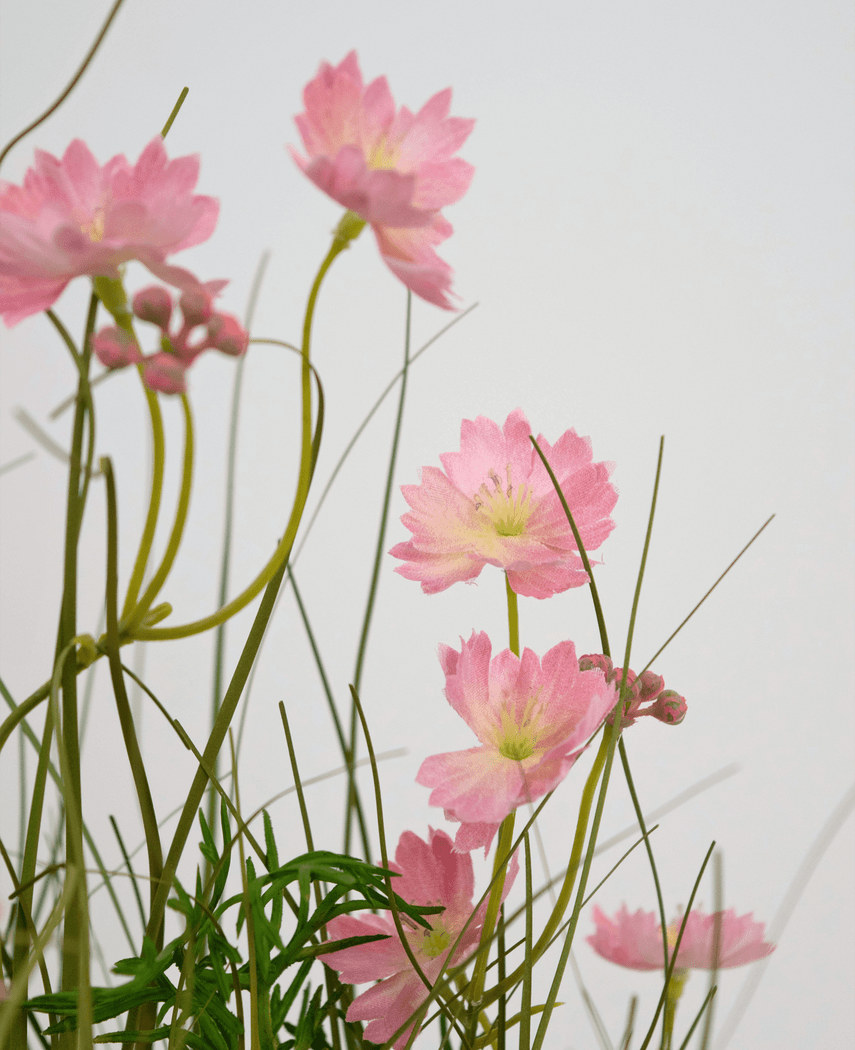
(658, 235)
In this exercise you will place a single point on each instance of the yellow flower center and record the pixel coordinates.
(94, 229)
(518, 740)
(436, 942)
(384, 156)
(508, 509)
(671, 934)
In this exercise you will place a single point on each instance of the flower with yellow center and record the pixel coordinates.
(495, 504)
(533, 718)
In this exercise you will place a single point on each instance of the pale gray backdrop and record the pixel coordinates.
(659, 238)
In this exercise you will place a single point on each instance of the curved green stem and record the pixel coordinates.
(54, 106)
(147, 538)
(159, 578)
(112, 294)
(123, 707)
(583, 554)
(308, 459)
(280, 556)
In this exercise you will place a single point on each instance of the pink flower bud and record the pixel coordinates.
(115, 348)
(645, 689)
(670, 708)
(595, 661)
(650, 685)
(154, 304)
(227, 334)
(165, 372)
(196, 305)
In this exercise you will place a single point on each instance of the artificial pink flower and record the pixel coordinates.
(533, 719)
(663, 704)
(431, 873)
(394, 169)
(165, 370)
(635, 941)
(73, 217)
(494, 504)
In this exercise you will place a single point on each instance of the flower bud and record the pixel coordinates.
(670, 707)
(594, 661)
(165, 372)
(227, 334)
(115, 348)
(154, 304)
(196, 305)
(650, 685)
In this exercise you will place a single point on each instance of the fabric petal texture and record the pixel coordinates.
(431, 872)
(493, 503)
(634, 940)
(533, 719)
(74, 217)
(394, 169)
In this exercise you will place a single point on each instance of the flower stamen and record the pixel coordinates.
(508, 513)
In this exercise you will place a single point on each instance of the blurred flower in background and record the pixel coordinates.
(74, 217)
(392, 168)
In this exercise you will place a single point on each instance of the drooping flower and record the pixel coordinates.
(648, 688)
(431, 873)
(494, 504)
(394, 169)
(635, 940)
(533, 719)
(73, 216)
(165, 370)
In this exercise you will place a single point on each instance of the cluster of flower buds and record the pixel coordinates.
(647, 688)
(165, 370)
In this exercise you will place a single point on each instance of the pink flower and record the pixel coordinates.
(74, 217)
(635, 941)
(533, 719)
(395, 170)
(494, 504)
(648, 688)
(431, 873)
(165, 370)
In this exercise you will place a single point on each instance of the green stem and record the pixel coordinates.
(718, 912)
(308, 457)
(123, 707)
(513, 619)
(22, 950)
(566, 893)
(54, 106)
(528, 962)
(147, 538)
(375, 577)
(171, 118)
(75, 947)
(669, 973)
(500, 867)
(639, 816)
(228, 522)
(274, 568)
(637, 595)
(339, 729)
(159, 578)
(610, 737)
(583, 554)
(75, 936)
